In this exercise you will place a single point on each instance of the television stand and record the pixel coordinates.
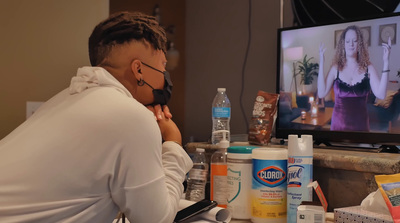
(358, 147)
(388, 149)
(318, 143)
(361, 147)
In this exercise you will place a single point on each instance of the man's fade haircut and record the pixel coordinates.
(123, 27)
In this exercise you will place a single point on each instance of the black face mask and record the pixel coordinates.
(161, 97)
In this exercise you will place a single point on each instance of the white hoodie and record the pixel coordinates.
(90, 151)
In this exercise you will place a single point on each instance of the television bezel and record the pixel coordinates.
(324, 136)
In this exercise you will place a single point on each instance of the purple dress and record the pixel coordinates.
(350, 110)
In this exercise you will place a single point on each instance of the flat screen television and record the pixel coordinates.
(302, 111)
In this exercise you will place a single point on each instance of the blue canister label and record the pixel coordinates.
(221, 112)
(270, 173)
(269, 186)
(270, 176)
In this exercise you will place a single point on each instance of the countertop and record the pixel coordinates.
(343, 170)
(362, 160)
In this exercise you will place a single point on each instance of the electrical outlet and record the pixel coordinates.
(31, 107)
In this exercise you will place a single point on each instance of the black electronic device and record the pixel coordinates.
(194, 209)
(295, 113)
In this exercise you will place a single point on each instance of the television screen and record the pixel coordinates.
(340, 82)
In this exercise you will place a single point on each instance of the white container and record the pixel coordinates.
(239, 181)
(269, 185)
(310, 214)
(300, 173)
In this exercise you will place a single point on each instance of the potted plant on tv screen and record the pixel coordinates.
(308, 71)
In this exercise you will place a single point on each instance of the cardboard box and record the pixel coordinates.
(310, 214)
(356, 214)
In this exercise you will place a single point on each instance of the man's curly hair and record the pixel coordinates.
(362, 51)
(123, 27)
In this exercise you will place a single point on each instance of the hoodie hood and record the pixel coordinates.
(89, 77)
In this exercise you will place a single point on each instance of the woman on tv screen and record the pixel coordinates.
(352, 77)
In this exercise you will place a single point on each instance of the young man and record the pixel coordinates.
(95, 149)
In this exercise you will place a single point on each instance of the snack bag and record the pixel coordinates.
(263, 118)
(389, 186)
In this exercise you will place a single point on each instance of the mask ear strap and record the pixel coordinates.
(144, 82)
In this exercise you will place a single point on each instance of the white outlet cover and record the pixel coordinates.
(31, 107)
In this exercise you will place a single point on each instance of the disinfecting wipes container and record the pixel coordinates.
(239, 181)
(268, 194)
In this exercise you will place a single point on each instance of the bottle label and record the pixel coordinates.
(269, 189)
(197, 174)
(219, 184)
(299, 176)
(221, 112)
(299, 171)
(270, 176)
(234, 184)
(239, 188)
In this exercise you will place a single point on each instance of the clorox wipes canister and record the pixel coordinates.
(268, 194)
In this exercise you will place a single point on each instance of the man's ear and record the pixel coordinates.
(136, 67)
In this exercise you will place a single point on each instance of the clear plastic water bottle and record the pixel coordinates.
(197, 178)
(221, 115)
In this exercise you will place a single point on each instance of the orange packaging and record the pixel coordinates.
(389, 186)
(263, 118)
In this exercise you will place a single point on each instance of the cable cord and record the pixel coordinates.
(244, 68)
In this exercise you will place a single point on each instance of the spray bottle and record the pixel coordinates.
(219, 171)
(300, 173)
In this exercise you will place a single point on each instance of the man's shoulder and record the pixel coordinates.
(109, 103)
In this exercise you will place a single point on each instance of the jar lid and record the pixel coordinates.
(270, 153)
(241, 149)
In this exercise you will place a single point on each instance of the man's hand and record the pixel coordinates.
(168, 128)
(158, 110)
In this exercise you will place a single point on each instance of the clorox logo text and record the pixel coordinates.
(272, 176)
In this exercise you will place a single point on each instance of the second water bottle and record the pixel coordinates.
(197, 178)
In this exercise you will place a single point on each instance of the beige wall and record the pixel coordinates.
(216, 41)
(42, 43)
